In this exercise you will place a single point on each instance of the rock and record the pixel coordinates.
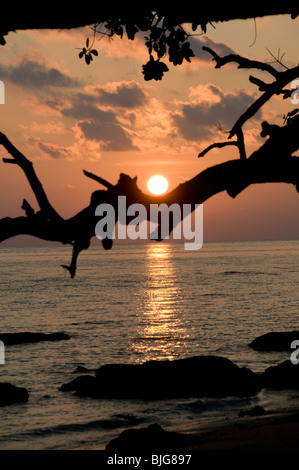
(84, 385)
(283, 376)
(275, 341)
(10, 394)
(256, 411)
(199, 376)
(28, 337)
(83, 370)
(148, 439)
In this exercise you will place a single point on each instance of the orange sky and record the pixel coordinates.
(104, 117)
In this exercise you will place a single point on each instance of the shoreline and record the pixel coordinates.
(277, 430)
(266, 433)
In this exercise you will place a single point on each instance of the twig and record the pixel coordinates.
(99, 179)
(277, 60)
(216, 145)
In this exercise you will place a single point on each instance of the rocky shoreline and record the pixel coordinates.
(198, 376)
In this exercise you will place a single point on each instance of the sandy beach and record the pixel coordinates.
(279, 432)
(274, 432)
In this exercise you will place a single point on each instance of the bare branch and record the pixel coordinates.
(239, 143)
(276, 87)
(243, 62)
(99, 179)
(272, 162)
(278, 60)
(37, 188)
(216, 145)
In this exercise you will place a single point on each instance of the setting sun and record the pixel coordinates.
(157, 184)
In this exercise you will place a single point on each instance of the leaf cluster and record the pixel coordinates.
(87, 52)
(163, 39)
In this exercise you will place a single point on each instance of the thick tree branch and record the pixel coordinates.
(243, 62)
(272, 89)
(26, 15)
(281, 80)
(27, 167)
(272, 162)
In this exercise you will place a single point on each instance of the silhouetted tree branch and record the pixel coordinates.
(162, 23)
(272, 162)
(282, 78)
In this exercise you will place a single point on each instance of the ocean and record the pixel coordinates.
(135, 303)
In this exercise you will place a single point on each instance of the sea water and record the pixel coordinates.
(135, 303)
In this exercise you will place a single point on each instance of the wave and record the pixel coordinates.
(216, 294)
(160, 338)
(201, 406)
(253, 273)
(112, 423)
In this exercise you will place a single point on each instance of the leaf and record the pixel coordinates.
(164, 67)
(81, 54)
(292, 113)
(87, 42)
(94, 52)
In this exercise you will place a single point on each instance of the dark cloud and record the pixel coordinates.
(127, 95)
(198, 121)
(103, 125)
(84, 107)
(52, 150)
(111, 135)
(31, 74)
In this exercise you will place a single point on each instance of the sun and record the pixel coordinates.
(157, 184)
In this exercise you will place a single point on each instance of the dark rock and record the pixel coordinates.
(200, 376)
(10, 394)
(28, 337)
(275, 341)
(148, 439)
(256, 411)
(83, 385)
(283, 376)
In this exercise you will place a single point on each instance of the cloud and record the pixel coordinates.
(33, 74)
(81, 148)
(84, 106)
(103, 113)
(197, 43)
(197, 120)
(54, 150)
(111, 135)
(123, 94)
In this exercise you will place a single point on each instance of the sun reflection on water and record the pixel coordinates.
(161, 328)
